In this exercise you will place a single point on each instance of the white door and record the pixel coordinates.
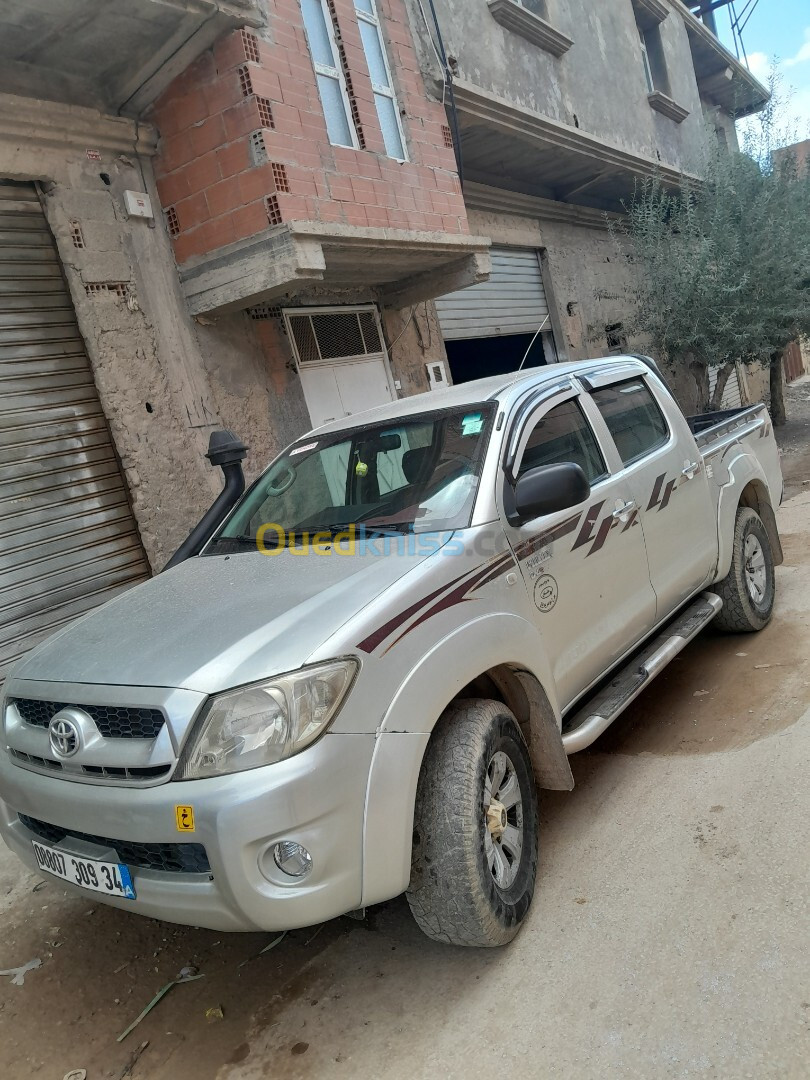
(344, 388)
(341, 359)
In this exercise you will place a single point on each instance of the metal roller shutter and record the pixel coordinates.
(512, 301)
(67, 534)
(732, 393)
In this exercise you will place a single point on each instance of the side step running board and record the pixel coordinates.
(599, 713)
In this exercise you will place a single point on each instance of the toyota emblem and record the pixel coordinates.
(64, 736)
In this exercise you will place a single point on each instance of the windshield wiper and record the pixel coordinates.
(244, 541)
(389, 528)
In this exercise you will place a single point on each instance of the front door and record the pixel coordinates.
(341, 359)
(585, 568)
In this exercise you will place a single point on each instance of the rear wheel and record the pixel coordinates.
(748, 589)
(475, 828)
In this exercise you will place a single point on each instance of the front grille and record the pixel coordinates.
(169, 858)
(104, 772)
(37, 762)
(112, 721)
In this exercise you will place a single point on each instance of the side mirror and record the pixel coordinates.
(547, 490)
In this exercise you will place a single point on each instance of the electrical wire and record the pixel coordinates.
(441, 56)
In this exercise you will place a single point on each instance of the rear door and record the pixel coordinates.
(586, 567)
(667, 478)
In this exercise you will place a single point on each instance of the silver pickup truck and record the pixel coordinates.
(398, 633)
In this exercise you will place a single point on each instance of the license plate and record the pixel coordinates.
(111, 878)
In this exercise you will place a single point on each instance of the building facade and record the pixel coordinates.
(262, 214)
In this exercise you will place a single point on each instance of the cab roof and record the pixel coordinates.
(496, 387)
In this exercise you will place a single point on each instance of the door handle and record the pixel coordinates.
(690, 469)
(622, 513)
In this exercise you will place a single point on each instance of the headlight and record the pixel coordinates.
(266, 722)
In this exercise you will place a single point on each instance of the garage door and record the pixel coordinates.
(512, 301)
(732, 393)
(67, 533)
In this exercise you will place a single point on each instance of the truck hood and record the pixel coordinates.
(215, 622)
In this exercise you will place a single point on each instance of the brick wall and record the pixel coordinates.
(244, 142)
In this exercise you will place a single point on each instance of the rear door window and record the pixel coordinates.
(633, 417)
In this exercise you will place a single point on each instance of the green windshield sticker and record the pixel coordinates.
(472, 424)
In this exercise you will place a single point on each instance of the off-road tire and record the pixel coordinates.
(453, 894)
(740, 614)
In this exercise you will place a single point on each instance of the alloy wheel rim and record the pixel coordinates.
(755, 569)
(502, 819)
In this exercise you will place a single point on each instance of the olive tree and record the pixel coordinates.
(723, 265)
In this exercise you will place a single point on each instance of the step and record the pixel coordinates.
(588, 723)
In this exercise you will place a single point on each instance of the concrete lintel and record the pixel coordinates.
(469, 270)
(285, 259)
(650, 12)
(53, 124)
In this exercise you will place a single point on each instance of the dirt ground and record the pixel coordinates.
(668, 937)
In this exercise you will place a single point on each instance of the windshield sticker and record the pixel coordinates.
(472, 424)
(303, 449)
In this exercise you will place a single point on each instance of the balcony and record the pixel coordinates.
(504, 145)
(720, 76)
(116, 56)
(396, 267)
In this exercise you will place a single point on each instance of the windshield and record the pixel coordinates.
(416, 474)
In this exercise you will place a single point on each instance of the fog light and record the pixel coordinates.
(292, 859)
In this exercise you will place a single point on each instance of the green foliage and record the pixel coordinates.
(724, 266)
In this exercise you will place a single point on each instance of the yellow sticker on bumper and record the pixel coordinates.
(184, 815)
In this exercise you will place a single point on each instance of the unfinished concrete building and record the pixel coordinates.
(249, 214)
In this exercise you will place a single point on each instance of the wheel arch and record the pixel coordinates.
(755, 495)
(510, 676)
(746, 486)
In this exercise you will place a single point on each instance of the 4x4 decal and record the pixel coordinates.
(594, 530)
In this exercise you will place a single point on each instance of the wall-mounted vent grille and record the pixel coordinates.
(245, 81)
(262, 312)
(280, 176)
(273, 209)
(258, 151)
(117, 288)
(76, 234)
(447, 136)
(335, 335)
(172, 221)
(265, 107)
(251, 46)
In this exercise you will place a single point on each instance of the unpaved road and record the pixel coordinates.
(668, 937)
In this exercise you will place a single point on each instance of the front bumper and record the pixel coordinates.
(316, 798)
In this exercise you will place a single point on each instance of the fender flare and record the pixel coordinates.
(745, 479)
(496, 640)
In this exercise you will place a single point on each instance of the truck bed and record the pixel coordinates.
(708, 427)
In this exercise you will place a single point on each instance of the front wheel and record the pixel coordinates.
(475, 828)
(748, 589)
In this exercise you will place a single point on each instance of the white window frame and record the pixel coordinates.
(645, 60)
(388, 91)
(335, 73)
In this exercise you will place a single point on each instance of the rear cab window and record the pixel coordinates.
(633, 417)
